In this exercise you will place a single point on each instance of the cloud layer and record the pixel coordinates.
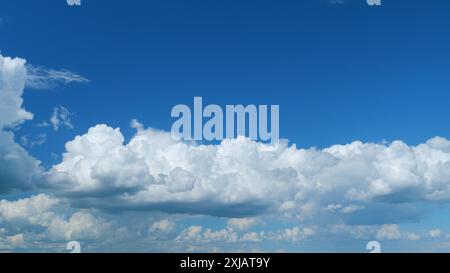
(240, 177)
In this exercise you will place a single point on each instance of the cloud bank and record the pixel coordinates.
(240, 177)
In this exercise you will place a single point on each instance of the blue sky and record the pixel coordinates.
(341, 72)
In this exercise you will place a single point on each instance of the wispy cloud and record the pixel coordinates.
(39, 77)
(39, 140)
(61, 117)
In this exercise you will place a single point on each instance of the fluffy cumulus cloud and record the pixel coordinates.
(240, 177)
(42, 212)
(18, 170)
(12, 82)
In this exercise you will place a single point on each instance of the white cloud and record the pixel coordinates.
(251, 237)
(18, 170)
(351, 209)
(435, 233)
(237, 177)
(12, 82)
(80, 226)
(365, 232)
(230, 235)
(164, 225)
(242, 223)
(12, 242)
(196, 234)
(223, 235)
(61, 117)
(389, 232)
(193, 233)
(39, 77)
(90, 165)
(345, 210)
(42, 211)
(412, 236)
(17, 241)
(31, 210)
(295, 234)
